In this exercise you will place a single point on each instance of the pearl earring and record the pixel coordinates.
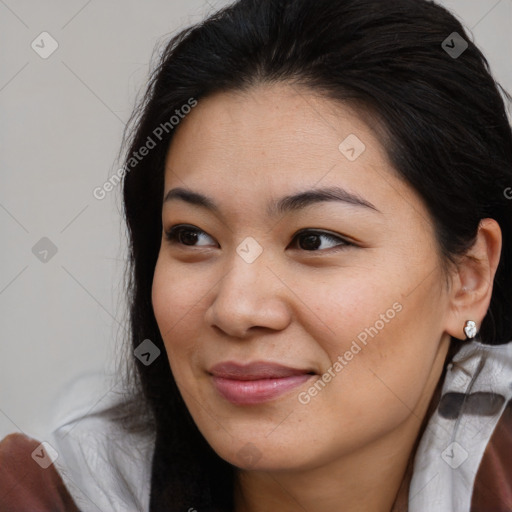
(470, 329)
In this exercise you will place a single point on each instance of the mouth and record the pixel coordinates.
(256, 382)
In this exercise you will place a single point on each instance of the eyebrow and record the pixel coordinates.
(293, 202)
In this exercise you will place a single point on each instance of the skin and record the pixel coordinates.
(349, 445)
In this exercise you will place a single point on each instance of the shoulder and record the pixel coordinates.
(463, 455)
(103, 466)
(28, 479)
(493, 484)
(88, 461)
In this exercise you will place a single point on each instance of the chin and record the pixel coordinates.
(263, 454)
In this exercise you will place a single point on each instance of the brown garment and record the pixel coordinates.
(493, 485)
(24, 485)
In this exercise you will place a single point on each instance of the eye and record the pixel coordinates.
(308, 239)
(311, 240)
(186, 235)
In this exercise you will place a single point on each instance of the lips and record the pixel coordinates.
(257, 382)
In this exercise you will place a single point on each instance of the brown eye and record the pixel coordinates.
(310, 240)
(185, 235)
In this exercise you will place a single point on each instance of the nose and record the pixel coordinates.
(248, 297)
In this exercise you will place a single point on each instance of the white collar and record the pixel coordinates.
(450, 450)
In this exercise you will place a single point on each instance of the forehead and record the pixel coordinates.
(275, 139)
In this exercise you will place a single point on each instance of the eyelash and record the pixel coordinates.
(172, 236)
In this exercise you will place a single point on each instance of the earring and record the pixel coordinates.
(470, 329)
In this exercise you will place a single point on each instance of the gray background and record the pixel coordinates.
(61, 320)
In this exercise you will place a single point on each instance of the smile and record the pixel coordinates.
(257, 382)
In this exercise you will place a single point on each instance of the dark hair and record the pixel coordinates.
(440, 118)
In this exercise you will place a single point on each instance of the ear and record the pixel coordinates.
(472, 281)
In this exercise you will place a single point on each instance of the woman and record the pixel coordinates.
(318, 202)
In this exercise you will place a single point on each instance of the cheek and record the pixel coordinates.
(176, 301)
(384, 337)
(352, 308)
(163, 297)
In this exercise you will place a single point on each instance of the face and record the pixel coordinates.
(298, 330)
